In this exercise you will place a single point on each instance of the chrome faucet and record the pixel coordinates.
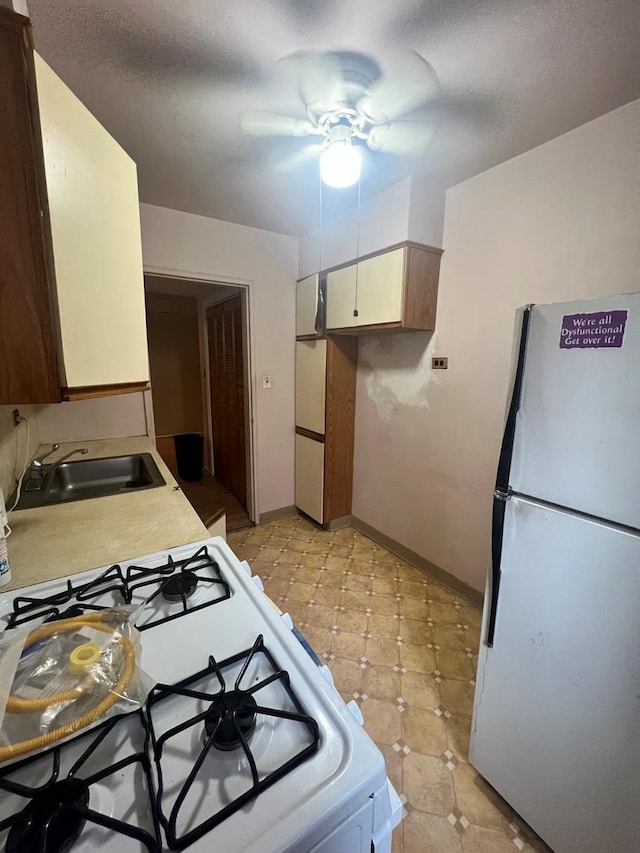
(37, 463)
(53, 467)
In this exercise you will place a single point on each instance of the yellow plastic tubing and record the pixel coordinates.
(25, 706)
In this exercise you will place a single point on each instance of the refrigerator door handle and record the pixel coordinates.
(500, 499)
(508, 439)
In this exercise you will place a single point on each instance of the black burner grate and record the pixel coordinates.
(183, 576)
(228, 721)
(198, 569)
(55, 813)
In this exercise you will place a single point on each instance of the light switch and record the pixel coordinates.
(266, 380)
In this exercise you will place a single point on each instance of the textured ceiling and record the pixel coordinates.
(168, 80)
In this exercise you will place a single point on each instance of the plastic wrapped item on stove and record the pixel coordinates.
(67, 676)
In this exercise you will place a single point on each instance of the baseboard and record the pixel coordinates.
(276, 514)
(339, 523)
(442, 576)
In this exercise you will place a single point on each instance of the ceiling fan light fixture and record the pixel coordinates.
(341, 161)
(340, 165)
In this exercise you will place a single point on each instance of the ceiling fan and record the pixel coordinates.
(348, 102)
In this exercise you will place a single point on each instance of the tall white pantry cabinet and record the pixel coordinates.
(325, 408)
(394, 290)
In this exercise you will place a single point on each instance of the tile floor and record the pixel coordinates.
(405, 648)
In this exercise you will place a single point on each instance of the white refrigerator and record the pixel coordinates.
(556, 724)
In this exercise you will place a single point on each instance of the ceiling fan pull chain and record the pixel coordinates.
(320, 230)
(355, 309)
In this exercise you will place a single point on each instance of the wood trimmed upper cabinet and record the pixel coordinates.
(341, 297)
(28, 348)
(72, 314)
(97, 248)
(393, 289)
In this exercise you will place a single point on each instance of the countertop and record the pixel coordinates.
(55, 541)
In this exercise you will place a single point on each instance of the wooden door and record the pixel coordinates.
(227, 384)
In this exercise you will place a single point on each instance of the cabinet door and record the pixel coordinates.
(380, 288)
(311, 366)
(307, 306)
(341, 298)
(310, 476)
(95, 226)
(28, 347)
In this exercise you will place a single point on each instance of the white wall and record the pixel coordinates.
(412, 209)
(557, 223)
(190, 246)
(84, 420)
(13, 444)
(174, 362)
(426, 211)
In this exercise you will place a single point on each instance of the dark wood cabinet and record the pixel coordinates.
(28, 340)
(70, 246)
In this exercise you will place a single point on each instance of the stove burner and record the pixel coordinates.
(179, 587)
(220, 721)
(175, 581)
(52, 821)
(186, 810)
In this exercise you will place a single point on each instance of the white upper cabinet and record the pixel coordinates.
(307, 306)
(95, 228)
(394, 289)
(341, 297)
(380, 288)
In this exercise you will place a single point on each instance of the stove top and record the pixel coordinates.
(83, 795)
(165, 588)
(238, 727)
(242, 744)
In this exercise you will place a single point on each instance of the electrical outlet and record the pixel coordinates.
(266, 380)
(17, 417)
(439, 363)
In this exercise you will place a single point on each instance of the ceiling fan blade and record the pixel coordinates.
(265, 123)
(400, 137)
(320, 79)
(404, 89)
(300, 158)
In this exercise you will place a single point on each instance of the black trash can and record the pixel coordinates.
(189, 449)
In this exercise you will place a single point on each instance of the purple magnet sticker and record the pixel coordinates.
(593, 331)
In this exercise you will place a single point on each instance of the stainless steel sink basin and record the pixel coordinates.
(90, 478)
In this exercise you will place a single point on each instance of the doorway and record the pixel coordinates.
(199, 356)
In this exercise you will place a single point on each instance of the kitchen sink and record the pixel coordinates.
(90, 478)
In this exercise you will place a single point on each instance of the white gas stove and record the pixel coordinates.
(243, 744)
